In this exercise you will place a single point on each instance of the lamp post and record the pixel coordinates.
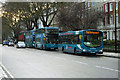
(115, 31)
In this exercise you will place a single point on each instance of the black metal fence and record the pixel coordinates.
(109, 46)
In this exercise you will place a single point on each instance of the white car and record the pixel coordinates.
(20, 45)
(10, 43)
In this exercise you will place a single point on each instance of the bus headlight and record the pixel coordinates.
(100, 50)
(84, 50)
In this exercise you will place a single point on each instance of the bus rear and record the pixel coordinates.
(21, 36)
(52, 37)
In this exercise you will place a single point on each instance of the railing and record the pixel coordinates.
(111, 48)
(109, 45)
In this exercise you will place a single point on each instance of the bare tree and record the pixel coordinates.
(78, 17)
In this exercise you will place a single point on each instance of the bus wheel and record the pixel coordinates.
(41, 47)
(26, 45)
(45, 47)
(75, 52)
(35, 45)
(62, 48)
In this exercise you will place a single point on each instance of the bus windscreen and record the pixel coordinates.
(92, 39)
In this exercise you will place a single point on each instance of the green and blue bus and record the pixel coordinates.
(83, 41)
(30, 38)
(46, 38)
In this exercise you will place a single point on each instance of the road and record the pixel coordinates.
(34, 63)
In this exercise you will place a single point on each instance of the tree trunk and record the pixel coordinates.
(35, 23)
(45, 24)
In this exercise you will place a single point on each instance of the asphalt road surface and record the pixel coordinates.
(34, 63)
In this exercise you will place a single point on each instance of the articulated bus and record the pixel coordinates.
(46, 38)
(30, 38)
(84, 41)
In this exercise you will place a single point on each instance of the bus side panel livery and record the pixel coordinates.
(84, 41)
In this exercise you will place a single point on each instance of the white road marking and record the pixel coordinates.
(7, 71)
(107, 68)
(66, 59)
(71, 60)
(61, 58)
(80, 62)
(2, 74)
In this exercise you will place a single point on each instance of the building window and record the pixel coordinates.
(116, 5)
(102, 8)
(106, 20)
(113, 35)
(88, 4)
(93, 3)
(105, 35)
(117, 18)
(106, 7)
(108, 35)
(111, 6)
(111, 19)
(97, 9)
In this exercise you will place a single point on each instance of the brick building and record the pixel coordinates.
(108, 26)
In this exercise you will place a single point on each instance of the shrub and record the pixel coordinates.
(111, 42)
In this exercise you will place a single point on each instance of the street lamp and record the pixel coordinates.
(115, 31)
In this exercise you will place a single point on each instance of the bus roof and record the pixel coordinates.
(48, 28)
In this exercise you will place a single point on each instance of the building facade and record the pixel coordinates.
(108, 26)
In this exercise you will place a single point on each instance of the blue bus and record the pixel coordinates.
(84, 41)
(46, 38)
(30, 38)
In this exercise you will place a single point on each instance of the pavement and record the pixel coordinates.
(111, 54)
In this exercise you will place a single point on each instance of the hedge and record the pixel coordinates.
(109, 45)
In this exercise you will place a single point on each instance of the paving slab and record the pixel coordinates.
(111, 54)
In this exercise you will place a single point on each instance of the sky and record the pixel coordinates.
(1, 1)
(0, 9)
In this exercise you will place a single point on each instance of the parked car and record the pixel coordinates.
(5, 42)
(20, 45)
(10, 43)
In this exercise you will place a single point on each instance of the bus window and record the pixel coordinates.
(63, 40)
(33, 37)
(75, 39)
